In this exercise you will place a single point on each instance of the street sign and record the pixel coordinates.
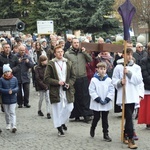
(45, 27)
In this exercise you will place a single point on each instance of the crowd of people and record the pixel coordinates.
(78, 83)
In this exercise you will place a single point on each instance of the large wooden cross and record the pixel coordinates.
(105, 47)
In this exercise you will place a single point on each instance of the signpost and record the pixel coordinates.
(45, 27)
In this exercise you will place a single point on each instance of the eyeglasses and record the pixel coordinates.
(140, 46)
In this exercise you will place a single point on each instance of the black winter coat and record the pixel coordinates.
(145, 68)
(23, 75)
(39, 76)
(139, 55)
(12, 60)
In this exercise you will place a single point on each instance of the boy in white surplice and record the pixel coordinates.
(102, 93)
(134, 91)
(60, 77)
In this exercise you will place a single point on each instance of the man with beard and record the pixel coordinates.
(79, 58)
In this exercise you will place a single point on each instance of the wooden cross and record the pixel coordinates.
(105, 47)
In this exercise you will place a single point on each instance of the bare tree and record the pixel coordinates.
(142, 15)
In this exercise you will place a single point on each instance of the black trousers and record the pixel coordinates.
(82, 99)
(23, 88)
(117, 109)
(33, 76)
(104, 116)
(129, 108)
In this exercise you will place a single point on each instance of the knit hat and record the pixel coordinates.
(6, 68)
(43, 40)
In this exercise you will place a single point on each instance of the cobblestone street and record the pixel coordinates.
(38, 133)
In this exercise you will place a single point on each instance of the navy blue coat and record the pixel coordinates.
(5, 86)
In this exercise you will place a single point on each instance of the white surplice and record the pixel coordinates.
(61, 111)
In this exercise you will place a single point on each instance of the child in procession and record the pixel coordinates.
(9, 89)
(102, 93)
(134, 91)
(41, 86)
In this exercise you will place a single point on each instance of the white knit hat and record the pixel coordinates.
(6, 68)
(43, 40)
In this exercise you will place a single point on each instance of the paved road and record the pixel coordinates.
(38, 133)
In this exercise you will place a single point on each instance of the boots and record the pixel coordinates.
(131, 144)
(92, 131)
(125, 140)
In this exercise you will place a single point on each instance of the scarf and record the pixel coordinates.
(96, 75)
(7, 77)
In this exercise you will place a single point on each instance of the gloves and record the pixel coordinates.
(99, 100)
(107, 100)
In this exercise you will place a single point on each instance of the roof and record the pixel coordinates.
(9, 22)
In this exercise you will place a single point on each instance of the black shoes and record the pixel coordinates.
(87, 119)
(2, 108)
(60, 132)
(14, 130)
(27, 106)
(40, 113)
(64, 127)
(0, 130)
(107, 138)
(20, 106)
(77, 119)
(92, 132)
(48, 116)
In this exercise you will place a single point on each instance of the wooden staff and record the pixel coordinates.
(123, 93)
(127, 11)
